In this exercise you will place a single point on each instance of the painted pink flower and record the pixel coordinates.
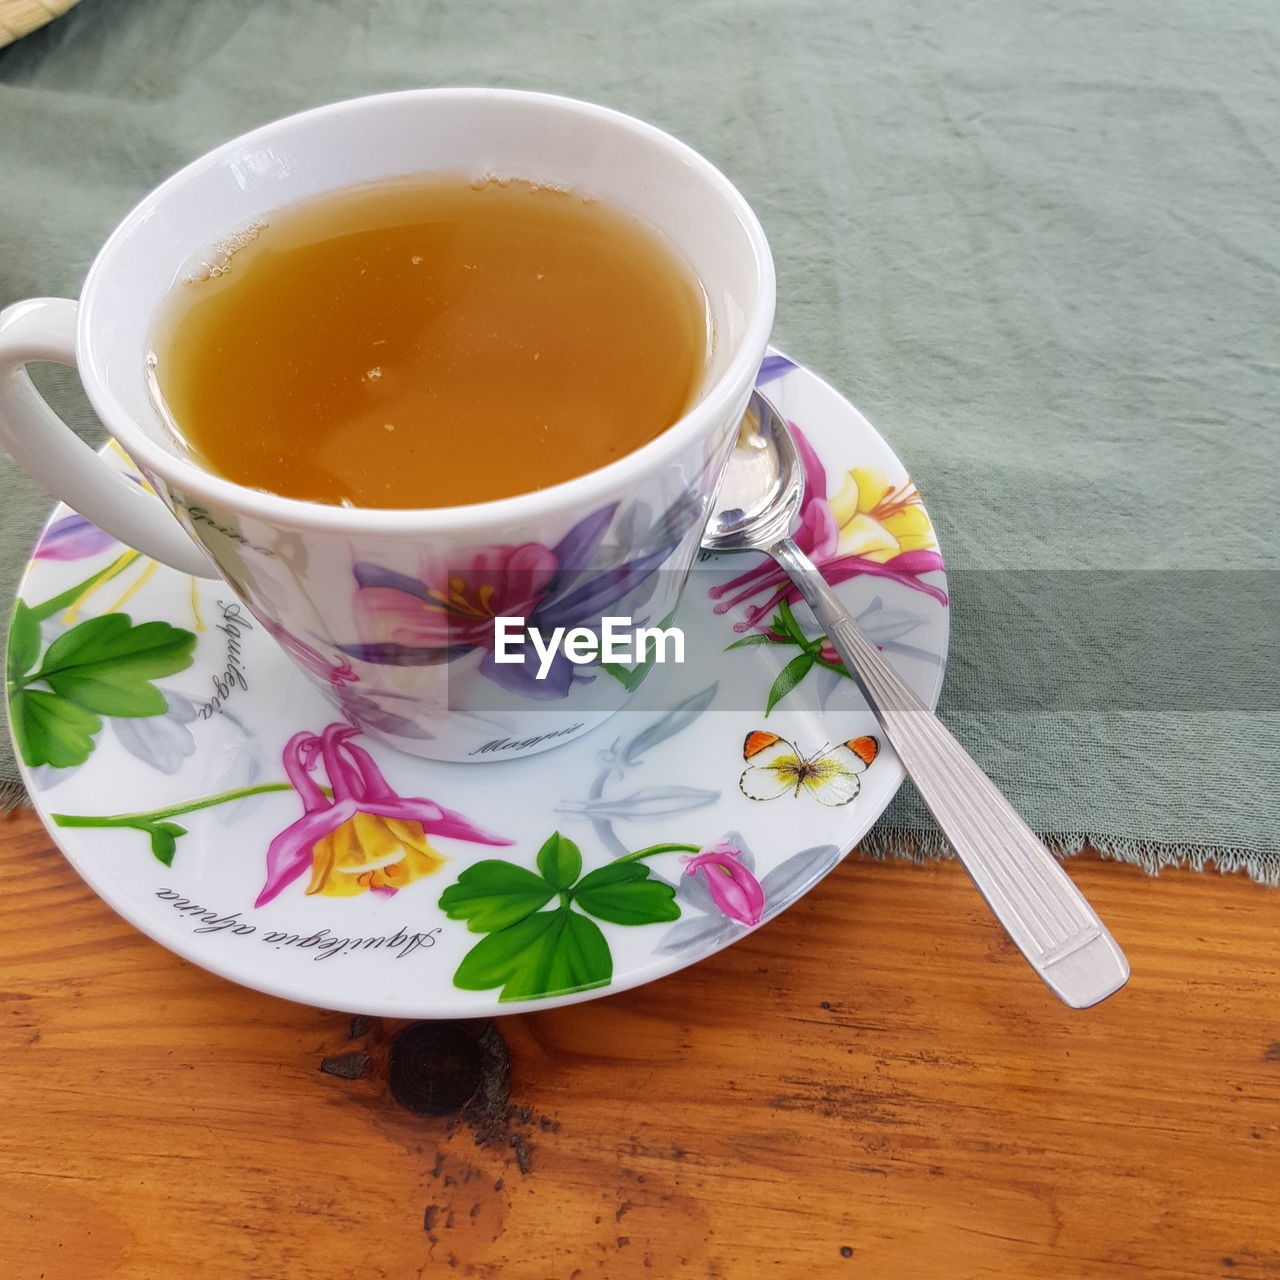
(449, 606)
(829, 655)
(363, 838)
(736, 891)
(868, 528)
(311, 659)
(72, 538)
(448, 611)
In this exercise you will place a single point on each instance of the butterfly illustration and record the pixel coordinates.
(830, 775)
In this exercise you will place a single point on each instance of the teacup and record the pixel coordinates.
(393, 613)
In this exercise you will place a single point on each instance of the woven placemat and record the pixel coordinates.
(17, 17)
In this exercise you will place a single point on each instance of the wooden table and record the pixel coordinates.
(873, 1086)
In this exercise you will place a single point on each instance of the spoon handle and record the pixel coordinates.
(1044, 913)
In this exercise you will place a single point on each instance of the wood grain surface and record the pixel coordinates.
(873, 1086)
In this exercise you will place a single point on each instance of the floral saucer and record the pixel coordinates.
(201, 786)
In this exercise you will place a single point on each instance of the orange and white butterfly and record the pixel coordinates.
(775, 766)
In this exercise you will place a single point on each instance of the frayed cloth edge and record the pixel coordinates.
(1153, 856)
(913, 845)
(12, 794)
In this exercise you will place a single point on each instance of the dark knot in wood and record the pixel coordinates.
(436, 1068)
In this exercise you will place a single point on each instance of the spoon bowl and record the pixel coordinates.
(759, 497)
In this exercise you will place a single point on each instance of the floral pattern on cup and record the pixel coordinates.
(334, 673)
(449, 609)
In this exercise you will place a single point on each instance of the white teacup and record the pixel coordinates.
(345, 591)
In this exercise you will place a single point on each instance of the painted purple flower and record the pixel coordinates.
(450, 607)
(363, 838)
(772, 368)
(869, 528)
(735, 890)
(72, 538)
(311, 659)
(448, 610)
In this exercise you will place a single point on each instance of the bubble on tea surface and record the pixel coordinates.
(216, 260)
(479, 181)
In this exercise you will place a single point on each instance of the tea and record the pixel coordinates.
(431, 343)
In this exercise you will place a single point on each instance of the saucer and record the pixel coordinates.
(172, 751)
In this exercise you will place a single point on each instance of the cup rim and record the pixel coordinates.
(578, 492)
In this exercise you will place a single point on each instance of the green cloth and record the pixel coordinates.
(1036, 243)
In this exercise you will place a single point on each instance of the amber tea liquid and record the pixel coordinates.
(428, 344)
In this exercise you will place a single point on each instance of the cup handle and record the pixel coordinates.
(50, 452)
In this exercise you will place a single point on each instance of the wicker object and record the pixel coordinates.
(17, 17)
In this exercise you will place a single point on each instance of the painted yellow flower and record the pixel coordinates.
(878, 520)
(871, 528)
(370, 851)
(359, 835)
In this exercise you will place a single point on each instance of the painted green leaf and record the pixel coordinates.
(495, 895)
(573, 957)
(496, 959)
(164, 840)
(756, 637)
(51, 730)
(559, 861)
(631, 678)
(788, 678)
(550, 953)
(785, 622)
(107, 664)
(24, 641)
(624, 893)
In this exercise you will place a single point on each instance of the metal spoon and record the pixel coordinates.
(1045, 914)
